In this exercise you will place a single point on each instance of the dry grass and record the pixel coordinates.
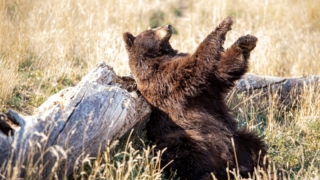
(47, 45)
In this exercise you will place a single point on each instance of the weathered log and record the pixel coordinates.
(73, 123)
(283, 92)
(84, 119)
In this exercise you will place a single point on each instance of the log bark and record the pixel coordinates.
(283, 92)
(83, 120)
(73, 123)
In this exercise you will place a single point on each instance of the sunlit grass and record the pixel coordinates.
(49, 45)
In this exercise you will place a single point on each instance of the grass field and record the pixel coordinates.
(48, 45)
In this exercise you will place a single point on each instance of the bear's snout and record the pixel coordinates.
(164, 32)
(169, 27)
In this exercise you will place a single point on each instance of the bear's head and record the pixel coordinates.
(151, 43)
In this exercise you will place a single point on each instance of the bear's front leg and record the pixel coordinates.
(234, 61)
(209, 50)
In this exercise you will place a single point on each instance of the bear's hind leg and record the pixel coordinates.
(251, 152)
(191, 158)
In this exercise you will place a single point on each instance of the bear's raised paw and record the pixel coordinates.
(247, 43)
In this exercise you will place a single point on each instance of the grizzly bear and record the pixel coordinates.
(190, 118)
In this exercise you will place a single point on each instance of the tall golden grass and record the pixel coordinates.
(47, 45)
(67, 38)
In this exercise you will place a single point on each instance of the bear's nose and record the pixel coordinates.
(169, 27)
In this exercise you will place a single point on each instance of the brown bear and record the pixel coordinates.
(190, 117)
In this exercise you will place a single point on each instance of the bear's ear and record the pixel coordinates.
(128, 39)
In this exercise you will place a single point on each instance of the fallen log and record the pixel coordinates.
(71, 124)
(83, 120)
(282, 92)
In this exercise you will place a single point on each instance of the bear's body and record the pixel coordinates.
(190, 117)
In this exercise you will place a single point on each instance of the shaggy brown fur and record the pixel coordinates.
(190, 117)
